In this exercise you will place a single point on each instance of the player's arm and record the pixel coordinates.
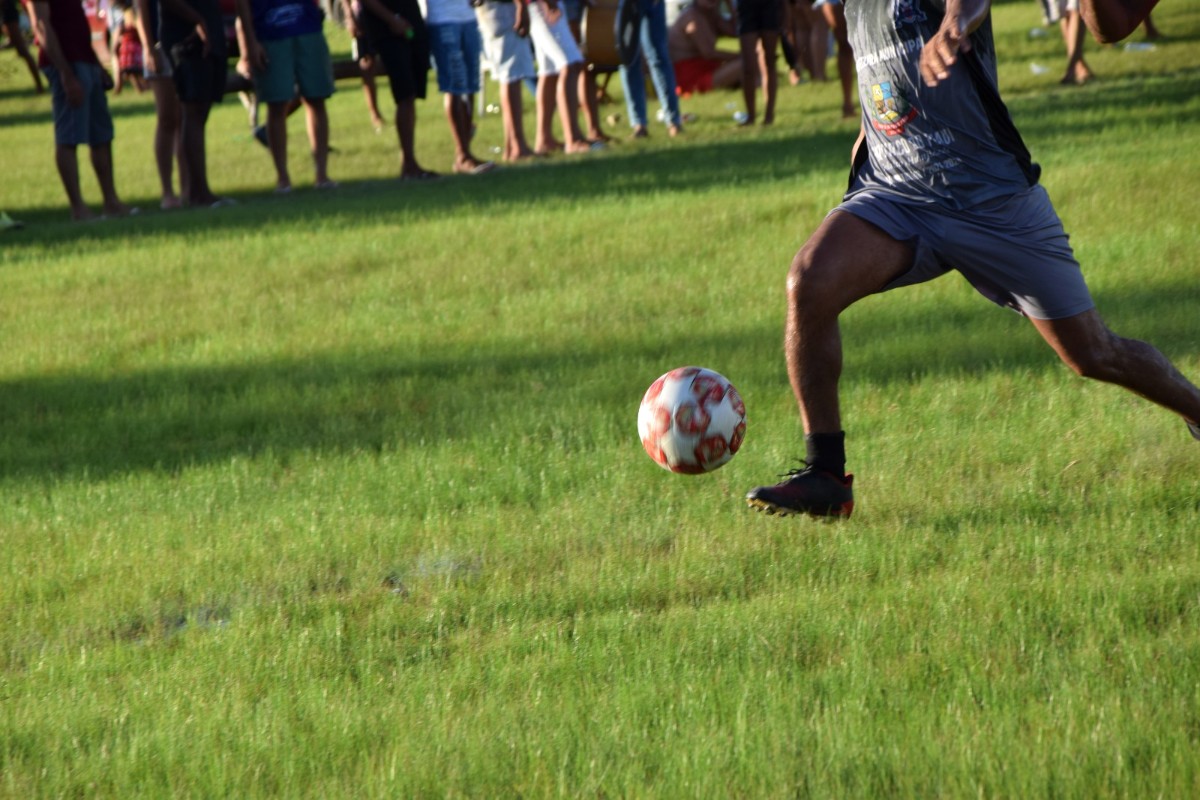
(253, 50)
(1113, 20)
(940, 53)
(149, 37)
(39, 12)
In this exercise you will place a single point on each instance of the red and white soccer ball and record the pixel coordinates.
(692, 420)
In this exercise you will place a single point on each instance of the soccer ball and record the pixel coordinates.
(692, 420)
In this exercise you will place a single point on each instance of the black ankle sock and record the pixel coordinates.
(827, 451)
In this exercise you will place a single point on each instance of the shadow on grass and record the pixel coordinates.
(387, 400)
(606, 175)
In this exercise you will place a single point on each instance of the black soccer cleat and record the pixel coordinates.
(809, 491)
(1194, 428)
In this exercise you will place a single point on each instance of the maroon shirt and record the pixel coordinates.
(74, 34)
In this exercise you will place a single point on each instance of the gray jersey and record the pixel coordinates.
(953, 144)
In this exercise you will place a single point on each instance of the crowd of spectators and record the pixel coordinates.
(191, 53)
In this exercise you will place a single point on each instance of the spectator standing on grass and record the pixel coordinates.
(396, 30)
(758, 25)
(835, 20)
(589, 96)
(504, 26)
(456, 43)
(1066, 14)
(128, 62)
(559, 64)
(961, 193)
(10, 17)
(81, 116)
(288, 55)
(192, 33)
(168, 138)
(652, 35)
(365, 56)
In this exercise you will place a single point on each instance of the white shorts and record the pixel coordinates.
(1053, 10)
(553, 43)
(509, 55)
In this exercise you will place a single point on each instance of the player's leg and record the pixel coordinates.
(844, 261)
(766, 69)
(748, 51)
(835, 18)
(1088, 347)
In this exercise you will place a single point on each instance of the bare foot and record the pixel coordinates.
(639, 132)
(170, 202)
(473, 166)
(519, 155)
(580, 146)
(674, 130)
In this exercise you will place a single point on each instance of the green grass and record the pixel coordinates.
(340, 494)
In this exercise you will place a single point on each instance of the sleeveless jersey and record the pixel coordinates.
(953, 144)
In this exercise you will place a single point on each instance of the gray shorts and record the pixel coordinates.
(1013, 250)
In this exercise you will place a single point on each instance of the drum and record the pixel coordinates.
(610, 32)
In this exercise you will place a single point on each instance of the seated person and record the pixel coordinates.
(692, 42)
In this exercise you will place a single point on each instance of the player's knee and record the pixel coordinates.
(1099, 360)
(808, 285)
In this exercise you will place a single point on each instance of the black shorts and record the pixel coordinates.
(200, 79)
(406, 62)
(759, 16)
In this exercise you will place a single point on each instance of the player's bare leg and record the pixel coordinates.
(1088, 347)
(843, 262)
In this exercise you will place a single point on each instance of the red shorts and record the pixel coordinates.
(695, 75)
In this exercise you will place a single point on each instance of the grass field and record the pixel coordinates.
(340, 494)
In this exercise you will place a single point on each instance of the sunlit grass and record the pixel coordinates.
(340, 494)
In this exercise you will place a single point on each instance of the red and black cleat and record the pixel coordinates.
(810, 491)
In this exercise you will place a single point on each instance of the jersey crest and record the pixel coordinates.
(890, 111)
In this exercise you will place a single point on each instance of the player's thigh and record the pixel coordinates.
(846, 259)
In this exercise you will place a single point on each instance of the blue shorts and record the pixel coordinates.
(1013, 250)
(456, 48)
(89, 124)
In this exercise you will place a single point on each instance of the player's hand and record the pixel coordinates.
(521, 25)
(258, 56)
(941, 52)
(400, 26)
(157, 59)
(551, 11)
(73, 89)
(202, 32)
